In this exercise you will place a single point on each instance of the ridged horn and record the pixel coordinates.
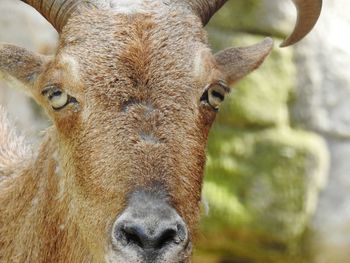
(308, 14)
(57, 12)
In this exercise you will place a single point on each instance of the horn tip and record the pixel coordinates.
(286, 43)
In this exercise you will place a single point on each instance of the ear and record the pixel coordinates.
(21, 64)
(235, 63)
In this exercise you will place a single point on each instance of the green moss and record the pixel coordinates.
(230, 16)
(252, 16)
(259, 182)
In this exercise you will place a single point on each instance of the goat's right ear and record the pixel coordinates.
(236, 63)
(21, 64)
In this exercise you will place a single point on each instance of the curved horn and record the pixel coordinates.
(308, 14)
(57, 12)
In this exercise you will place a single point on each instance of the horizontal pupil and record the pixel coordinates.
(55, 94)
(218, 95)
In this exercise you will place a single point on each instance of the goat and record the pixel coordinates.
(132, 93)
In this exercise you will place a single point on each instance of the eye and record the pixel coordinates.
(214, 94)
(57, 98)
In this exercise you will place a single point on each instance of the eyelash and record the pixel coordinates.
(57, 98)
(214, 94)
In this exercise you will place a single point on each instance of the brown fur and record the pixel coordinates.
(139, 122)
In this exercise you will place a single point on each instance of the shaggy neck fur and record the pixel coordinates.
(33, 211)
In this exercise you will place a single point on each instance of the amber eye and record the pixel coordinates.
(57, 98)
(214, 94)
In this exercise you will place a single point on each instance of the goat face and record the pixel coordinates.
(132, 98)
(133, 121)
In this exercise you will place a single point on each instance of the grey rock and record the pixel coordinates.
(323, 61)
(323, 105)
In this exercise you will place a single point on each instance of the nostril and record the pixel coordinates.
(134, 235)
(167, 237)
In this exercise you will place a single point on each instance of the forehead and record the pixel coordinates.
(150, 50)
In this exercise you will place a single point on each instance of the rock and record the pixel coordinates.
(262, 188)
(260, 17)
(331, 225)
(322, 104)
(268, 179)
(323, 60)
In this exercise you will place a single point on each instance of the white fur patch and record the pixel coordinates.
(127, 6)
(71, 65)
(61, 190)
(202, 63)
(13, 149)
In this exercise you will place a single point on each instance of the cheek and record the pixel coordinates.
(67, 122)
(189, 192)
(206, 120)
(186, 192)
(94, 221)
(101, 172)
(95, 176)
(97, 196)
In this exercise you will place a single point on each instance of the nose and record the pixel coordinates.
(150, 228)
(151, 238)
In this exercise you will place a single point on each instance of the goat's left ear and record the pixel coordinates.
(235, 63)
(21, 64)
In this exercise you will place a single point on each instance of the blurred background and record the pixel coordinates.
(277, 186)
